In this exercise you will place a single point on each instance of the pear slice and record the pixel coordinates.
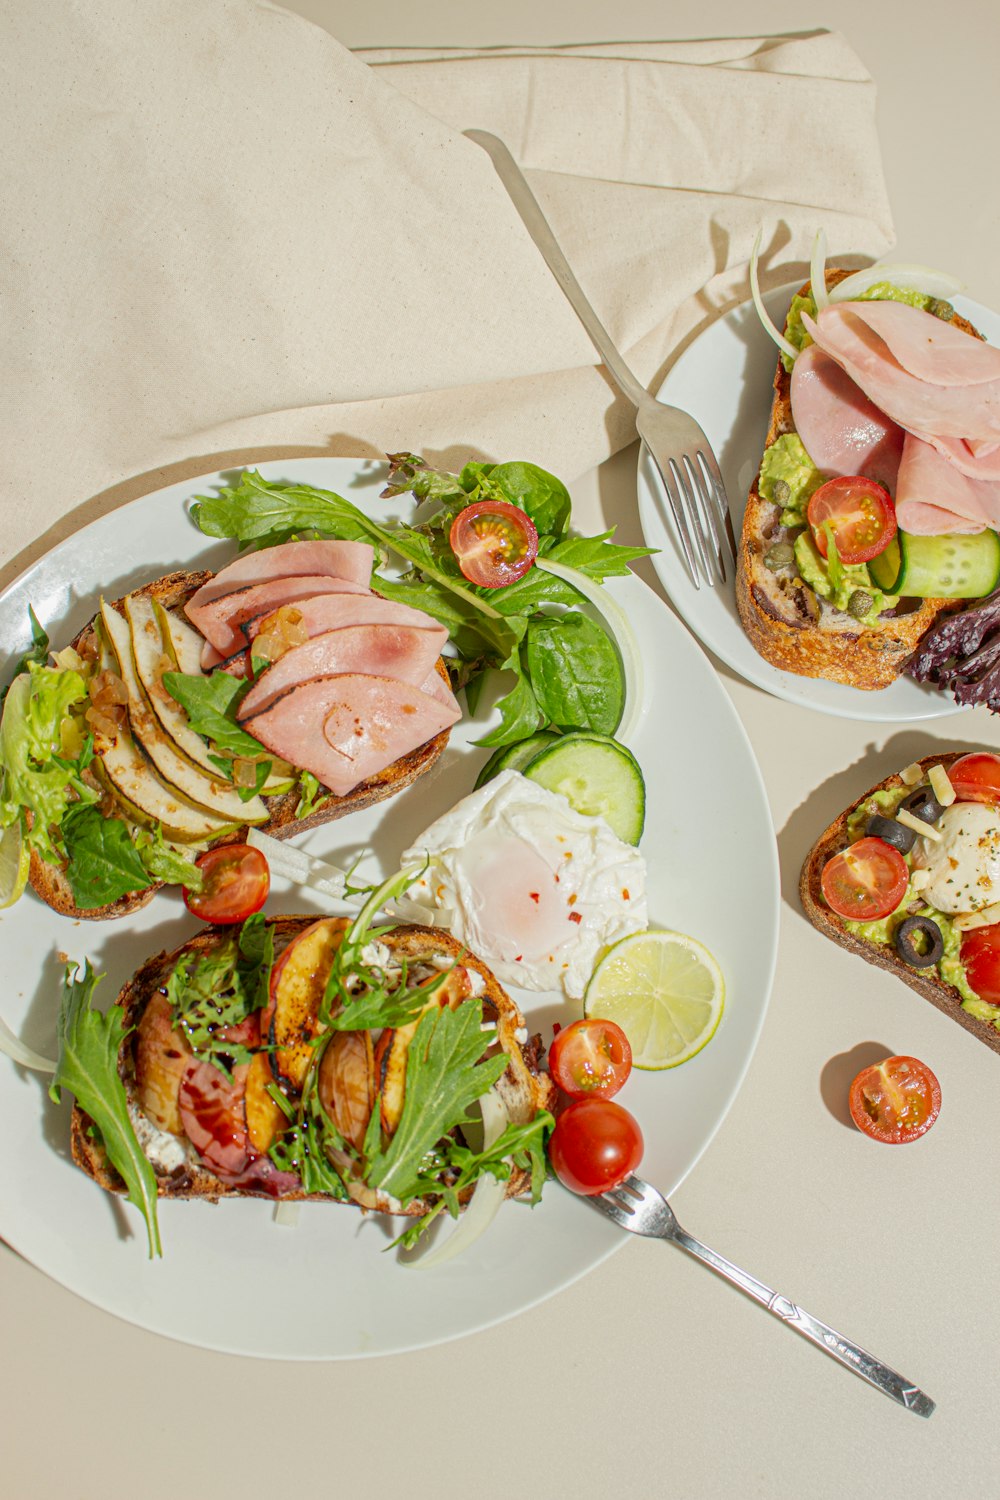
(179, 776)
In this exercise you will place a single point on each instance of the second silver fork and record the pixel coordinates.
(688, 470)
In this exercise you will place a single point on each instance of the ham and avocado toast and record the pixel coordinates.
(908, 878)
(301, 1058)
(875, 508)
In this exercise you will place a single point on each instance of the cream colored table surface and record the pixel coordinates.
(650, 1377)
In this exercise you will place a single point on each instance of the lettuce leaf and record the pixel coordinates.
(36, 776)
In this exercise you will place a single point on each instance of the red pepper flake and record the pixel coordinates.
(518, 958)
(535, 897)
(575, 916)
(625, 896)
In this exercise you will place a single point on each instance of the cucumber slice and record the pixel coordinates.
(597, 776)
(939, 567)
(514, 757)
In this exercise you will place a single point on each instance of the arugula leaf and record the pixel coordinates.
(310, 792)
(221, 988)
(89, 1043)
(302, 1150)
(446, 1071)
(103, 862)
(576, 673)
(210, 704)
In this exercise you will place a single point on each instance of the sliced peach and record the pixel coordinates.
(298, 982)
(265, 1118)
(162, 1056)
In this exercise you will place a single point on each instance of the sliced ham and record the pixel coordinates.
(928, 347)
(221, 620)
(842, 431)
(400, 651)
(333, 611)
(933, 498)
(982, 464)
(352, 561)
(971, 412)
(347, 728)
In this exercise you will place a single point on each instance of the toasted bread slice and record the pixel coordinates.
(523, 1087)
(172, 591)
(787, 624)
(926, 982)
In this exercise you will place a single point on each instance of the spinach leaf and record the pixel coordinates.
(89, 1043)
(576, 673)
(103, 863)
(520, 714)
(544, 497)
(210, 704)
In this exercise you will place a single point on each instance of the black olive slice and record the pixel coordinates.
(930, 949)
(923, 804)
(891, 832)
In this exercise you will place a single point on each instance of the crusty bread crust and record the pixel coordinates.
(928, 984)
(172, 591)
(524, 1089)
(780, 616)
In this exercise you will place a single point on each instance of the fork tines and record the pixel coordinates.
(697, 499)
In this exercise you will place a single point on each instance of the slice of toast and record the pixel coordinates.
(787, 624)
(172, 591)
(926, 982)
(523, 1087)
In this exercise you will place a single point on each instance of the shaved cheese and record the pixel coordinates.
(487, 1196)
(910, 775)
(287, 1213)
(23, 1055)
(941, 785)
(967, 921)
(817, 271)
(918, 825)
(624, 637)
(920, 880)
(779, 338)
(910, 278)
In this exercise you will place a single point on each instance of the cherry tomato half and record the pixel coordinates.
(861, 514)
(976, 777)
(895, 1101)
(595, 1145)
(866, 881)
(495, 543)
(590, 1057)
(236, 880)
(980, 954)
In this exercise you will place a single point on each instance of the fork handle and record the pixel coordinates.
(537, 226)
(852, 1355)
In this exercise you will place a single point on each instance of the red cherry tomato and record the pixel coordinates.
(976, 777)
(980, 956)
(895, 1101)
(861, 514)
(495, 543)
(595, 1145)
(236, 883)
(866, 881)
(590, 1057)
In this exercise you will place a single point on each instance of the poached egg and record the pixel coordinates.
(964, 864)
(534, 888)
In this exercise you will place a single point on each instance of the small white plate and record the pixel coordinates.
(724, 380)
(230, 1278)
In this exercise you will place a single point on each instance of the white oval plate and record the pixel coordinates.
(231, 1279)
(724, 379)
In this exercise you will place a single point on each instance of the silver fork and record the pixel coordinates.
(637, 1206)
(692, 481)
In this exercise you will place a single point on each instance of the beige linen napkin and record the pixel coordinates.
(227, 238)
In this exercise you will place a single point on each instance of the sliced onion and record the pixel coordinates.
(817, 272)
(25, 1056)
(298, 866)
(624, 637)
(483, 1206)
(286, 1213)
(909, 277)
(762, 313)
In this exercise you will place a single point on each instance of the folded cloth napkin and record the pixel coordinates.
(227, 238)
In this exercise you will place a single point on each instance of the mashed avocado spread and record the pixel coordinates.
(949, 966)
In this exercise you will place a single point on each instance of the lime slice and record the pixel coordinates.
(664, 990)
(15, 858)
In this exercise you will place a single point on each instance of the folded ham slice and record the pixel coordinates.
(385, 650)
(934, 498)
(221, 620)
(352, 561)
(928, 347)
(347, 728)
(842, 431)
(955, 411)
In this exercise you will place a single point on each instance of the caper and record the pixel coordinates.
(860, 603)
(782, 492)
(781, 555)
(941, 309)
